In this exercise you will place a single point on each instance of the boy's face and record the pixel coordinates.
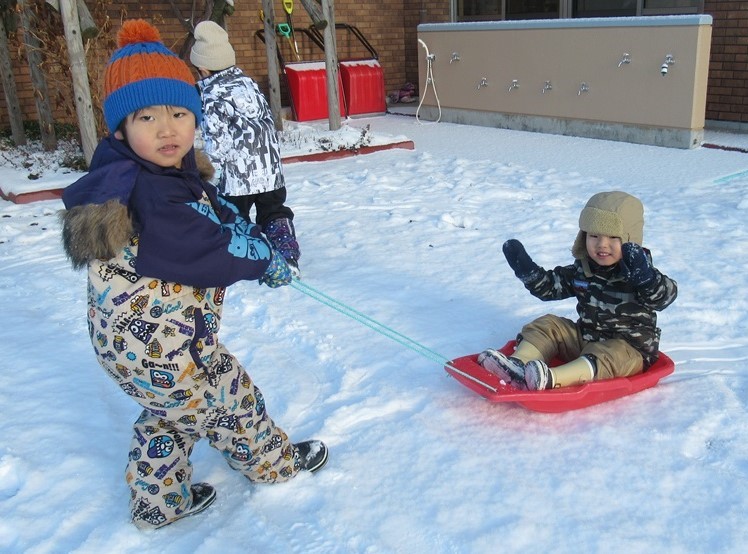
(604, 250)
(160, 134)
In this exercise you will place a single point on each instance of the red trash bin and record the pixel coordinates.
(307, 83)
(363, 85)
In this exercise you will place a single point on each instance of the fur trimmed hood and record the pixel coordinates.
(95, 231)
(97, 222)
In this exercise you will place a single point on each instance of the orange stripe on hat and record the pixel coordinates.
(143, 72)
(137, 67)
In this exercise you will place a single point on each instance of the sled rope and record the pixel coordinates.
(369, 322)
(383, 329)
(730, 177)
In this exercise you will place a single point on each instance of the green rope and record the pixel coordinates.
(369, 322)
(382, 329)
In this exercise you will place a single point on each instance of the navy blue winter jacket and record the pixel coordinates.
(186, 232)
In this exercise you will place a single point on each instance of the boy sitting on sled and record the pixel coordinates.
(618, 291)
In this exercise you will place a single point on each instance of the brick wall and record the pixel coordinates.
(727, 92)
(391, 28)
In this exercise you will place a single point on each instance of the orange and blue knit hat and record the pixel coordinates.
(142, 73)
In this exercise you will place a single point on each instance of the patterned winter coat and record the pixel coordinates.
(239, 134)
(160, 247)
(608, 306)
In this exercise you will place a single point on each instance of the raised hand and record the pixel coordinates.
(524, 268)
(635, 265)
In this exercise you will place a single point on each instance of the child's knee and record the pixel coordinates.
(615, 358)
(551, 334)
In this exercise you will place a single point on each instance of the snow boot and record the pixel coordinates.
(540, 377)
(509, 369)
(311, 455)
(203, 495)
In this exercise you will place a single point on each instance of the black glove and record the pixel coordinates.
(524, 268)
(635, 265)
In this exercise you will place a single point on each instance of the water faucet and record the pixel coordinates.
(669, 60)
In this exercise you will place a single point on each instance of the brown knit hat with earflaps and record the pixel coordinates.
(615, 214)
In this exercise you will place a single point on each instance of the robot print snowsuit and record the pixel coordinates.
(142, 231)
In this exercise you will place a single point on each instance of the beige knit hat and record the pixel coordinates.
(615, 214)
(212, 49)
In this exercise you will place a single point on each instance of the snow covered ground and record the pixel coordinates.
(418, 463)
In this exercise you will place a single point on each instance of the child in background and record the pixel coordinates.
(618, 290)
(161, 246)
(241, 141)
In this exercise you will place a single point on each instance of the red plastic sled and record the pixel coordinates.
(471, 374)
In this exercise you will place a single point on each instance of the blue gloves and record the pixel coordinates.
(636, 267)
(524, 268)
(278, 273)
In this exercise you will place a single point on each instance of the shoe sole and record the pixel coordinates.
(492, 364)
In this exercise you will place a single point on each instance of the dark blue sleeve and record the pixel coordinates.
(114, 181)
(184, 240)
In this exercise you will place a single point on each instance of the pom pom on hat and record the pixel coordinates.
(143, 72)
(137, 30)
(212, 49)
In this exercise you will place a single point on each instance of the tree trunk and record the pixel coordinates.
(9, 87)
(314, 9)
(38, 80)
(331, 65)
(83, 102)
(271, 48)
(88, 26)
(189, 25)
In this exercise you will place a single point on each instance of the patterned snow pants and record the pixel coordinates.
(159, 472)
(559, 336)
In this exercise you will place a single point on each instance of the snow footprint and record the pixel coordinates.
(348, 417)
(12, 476)
(308, 538)
(701, 439)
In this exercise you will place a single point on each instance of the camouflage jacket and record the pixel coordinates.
(608, 306)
